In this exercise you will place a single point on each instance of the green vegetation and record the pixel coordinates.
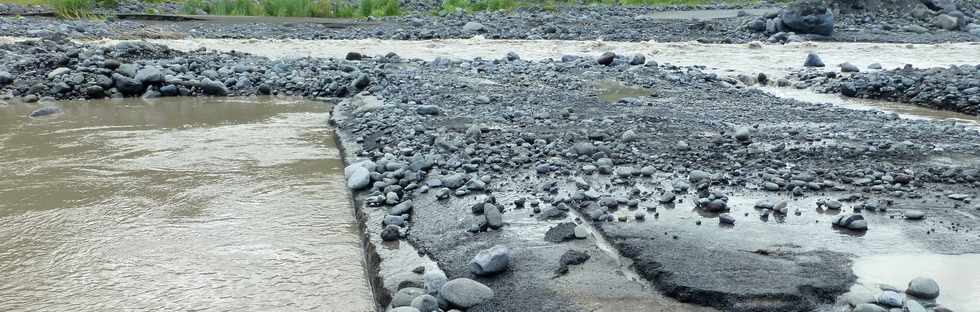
(72, 8)
(77, 9)
(293, 8)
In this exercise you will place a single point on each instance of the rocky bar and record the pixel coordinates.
(606, 182)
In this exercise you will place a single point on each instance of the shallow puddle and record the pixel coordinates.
(958, 275)
(176, 204)
(612, 91)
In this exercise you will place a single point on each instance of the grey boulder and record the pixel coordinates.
(465, 293)
(854, 222)
(404, 296)
(813, 60)
(808, 17)
(868, 307)
(434, 280)
(491, 261)
(358, 178)
(149, 75)
(214, 88)
(924, 288)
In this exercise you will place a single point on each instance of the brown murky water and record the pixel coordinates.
(178, 204)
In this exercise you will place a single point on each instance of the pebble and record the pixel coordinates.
(854, 222)
(581, 232)
(914, 214)
(726, 219)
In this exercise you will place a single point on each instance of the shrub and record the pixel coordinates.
(72, 8)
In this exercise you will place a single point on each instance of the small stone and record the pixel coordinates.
(849, 68)
(854, 222)
(474, 27)
(638, 59)
(428, 110)
(833, 205)
(581, 232)
(44, 111)
(495, 219)
(742, 134)
(914, 306)
(561, 232)
(726, 219)
(914, 214)
(58, 72)
(353, 56)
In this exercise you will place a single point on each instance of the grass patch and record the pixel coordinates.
(72, 8)
(294, 8)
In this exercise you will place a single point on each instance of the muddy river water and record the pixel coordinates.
(179, 204)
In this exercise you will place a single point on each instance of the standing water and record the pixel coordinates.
(176, 204)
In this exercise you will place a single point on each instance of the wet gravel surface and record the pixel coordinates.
(498, 152)
(538, 142)
(572, 23)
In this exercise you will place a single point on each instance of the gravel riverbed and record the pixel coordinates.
(954, 88)
(713, 195)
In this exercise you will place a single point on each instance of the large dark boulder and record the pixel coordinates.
(808, 17)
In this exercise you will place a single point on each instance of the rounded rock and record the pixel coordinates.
(924, 288)
(465, 293)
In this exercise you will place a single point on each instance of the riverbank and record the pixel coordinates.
(639, 156)
(629, 24)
